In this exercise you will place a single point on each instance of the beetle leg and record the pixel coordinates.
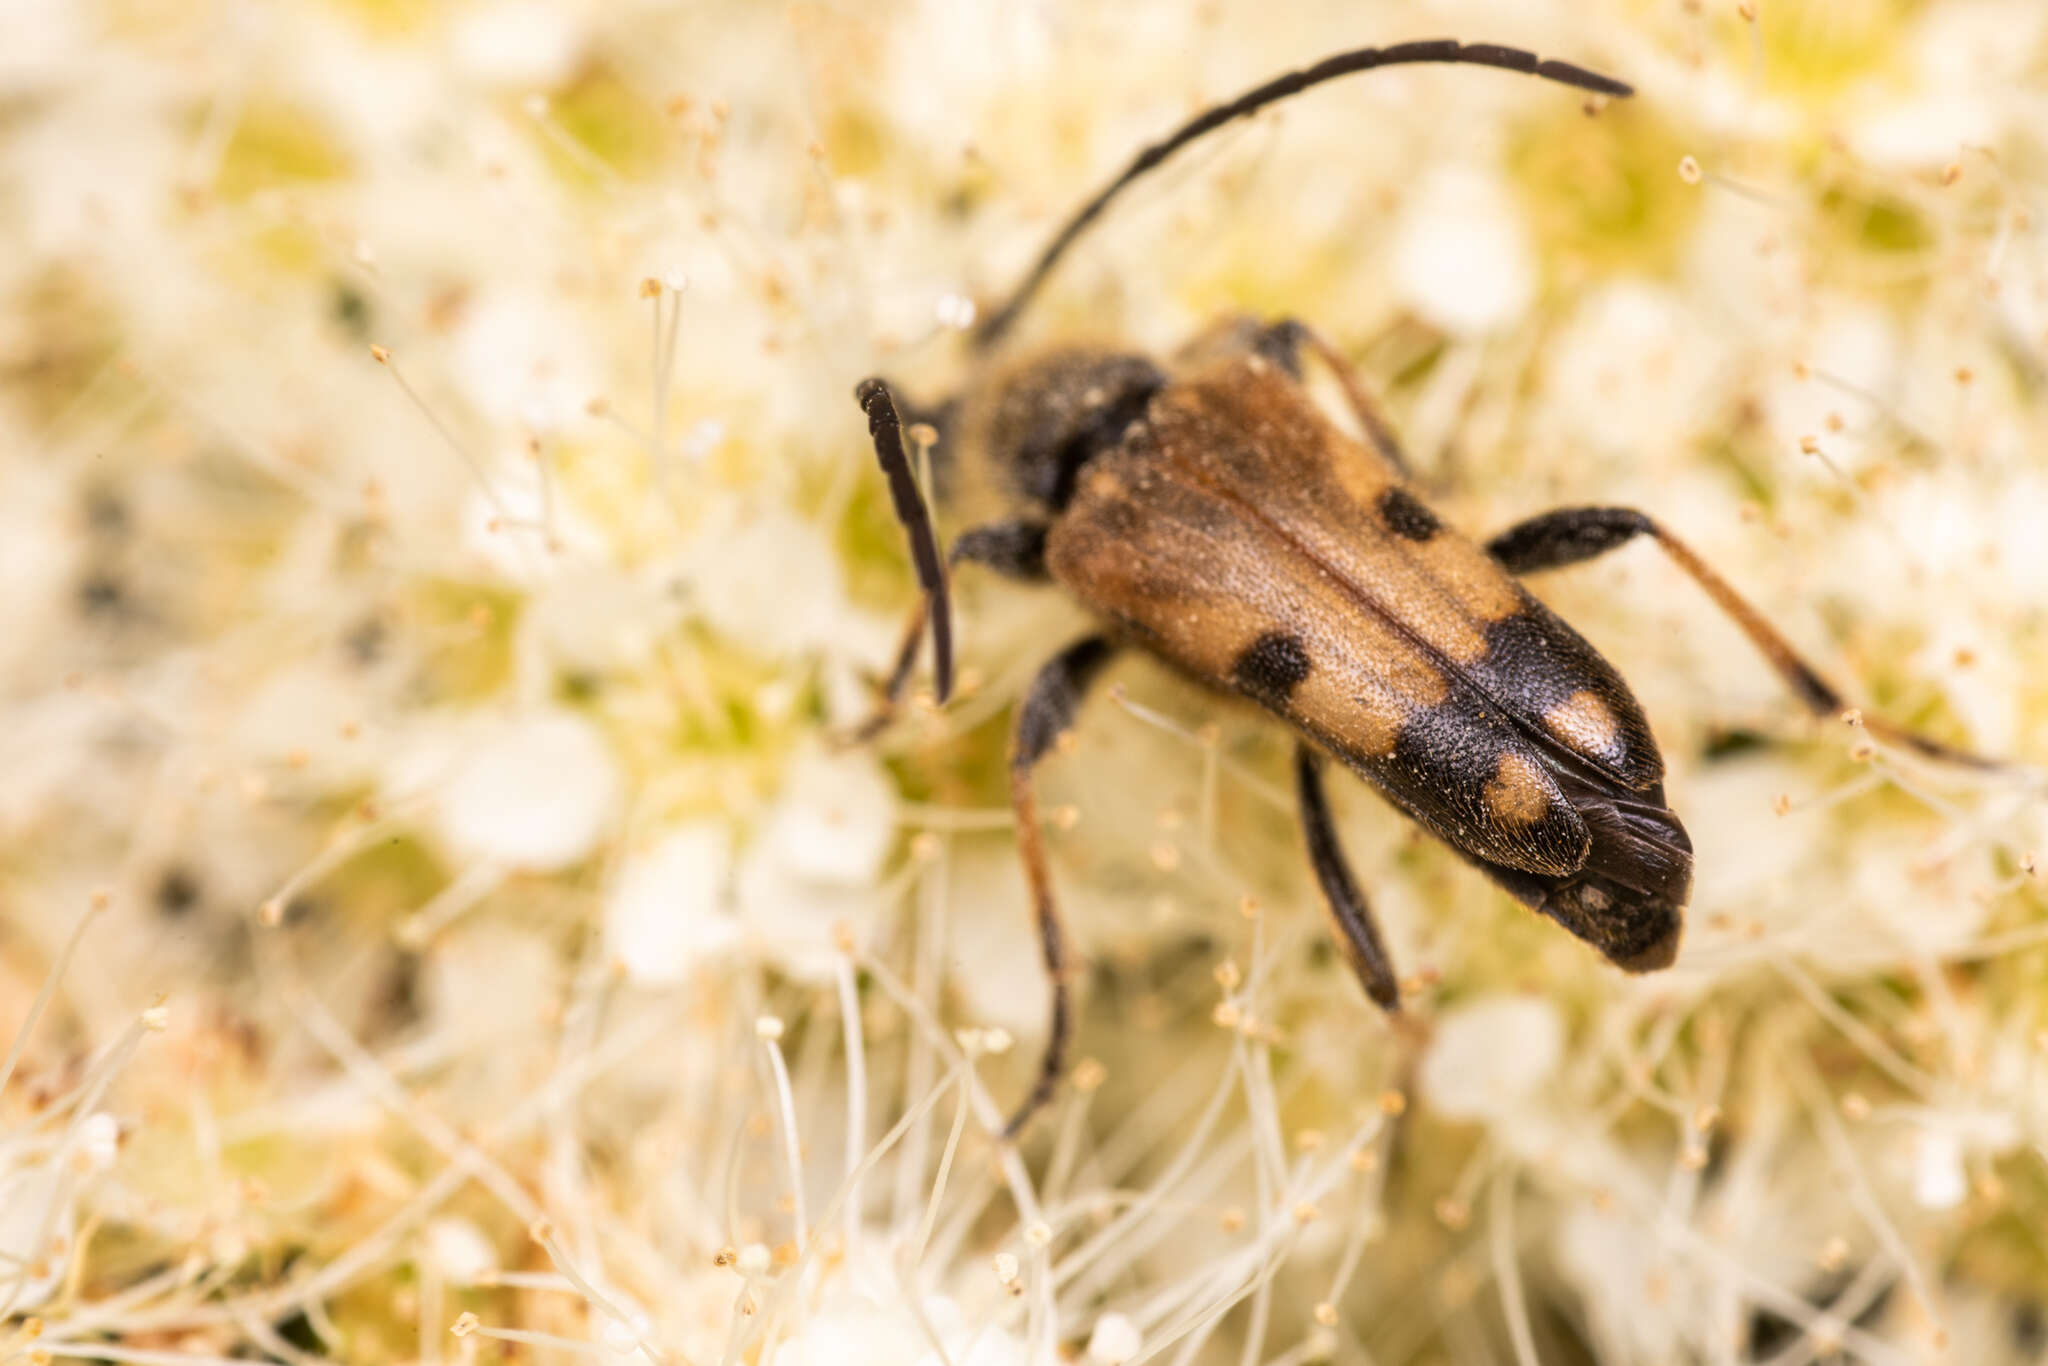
(1364, 406)
(1016, 550)
(1046, 715)
(1281, 343)
(890, 699)
(1569, 536)
(1357, 934)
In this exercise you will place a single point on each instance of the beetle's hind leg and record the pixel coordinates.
(1357, 933)
(1016, 550)
(1046, 715)
(1568, 536)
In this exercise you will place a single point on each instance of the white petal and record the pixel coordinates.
(1460, 257)
(520, 357)
(458, 1249)
(1939, 1181)
(1114, 1341)
(28, 1233)
(1491, 1055)
(523, 44)
(538, 793)
(666, 911)
(836, 819)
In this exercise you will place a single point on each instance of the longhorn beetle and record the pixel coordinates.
(1210, 514)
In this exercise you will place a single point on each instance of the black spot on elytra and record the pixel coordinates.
(1406, 517)
(1271, 667)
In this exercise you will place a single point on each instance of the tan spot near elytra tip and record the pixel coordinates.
(1516, 795)
(1470, 575)
(1585, 723)
(1364, 723)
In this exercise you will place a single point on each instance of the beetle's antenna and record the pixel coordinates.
(887, 430)
(1279, 88)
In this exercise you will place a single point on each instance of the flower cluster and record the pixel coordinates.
(440, 558)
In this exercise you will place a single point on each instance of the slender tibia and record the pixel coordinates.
(1357, 933)
(1047, 714)
(1016, 550)
(1363, 406)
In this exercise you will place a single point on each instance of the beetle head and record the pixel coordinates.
(1054, 415)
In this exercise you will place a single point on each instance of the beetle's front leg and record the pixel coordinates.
(1568, 536)
(1016, 550)
(1357, 934)
(1046, 715)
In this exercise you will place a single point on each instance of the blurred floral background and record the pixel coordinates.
(438, 544)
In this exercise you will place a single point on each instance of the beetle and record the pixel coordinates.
(1209, 513)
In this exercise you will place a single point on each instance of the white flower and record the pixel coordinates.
(1852, 343)
(1632, 368)
(1613, 1258)
(1114, 1341)
(458, 1249)
(525, 533)
(310, 715)
(491, 982)
(537, 791)
(1461, 256)
(589, 618)
(836, 818)
(521, 43)
(666, 912)
(38, 1222)
(995, 952)
(772, 582)
(523, 358)
(195, 264)
(794, 923)
(1492, 1055)
(1931, 131)
(811, 869)
(853, 1328)
(1939, 1181)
